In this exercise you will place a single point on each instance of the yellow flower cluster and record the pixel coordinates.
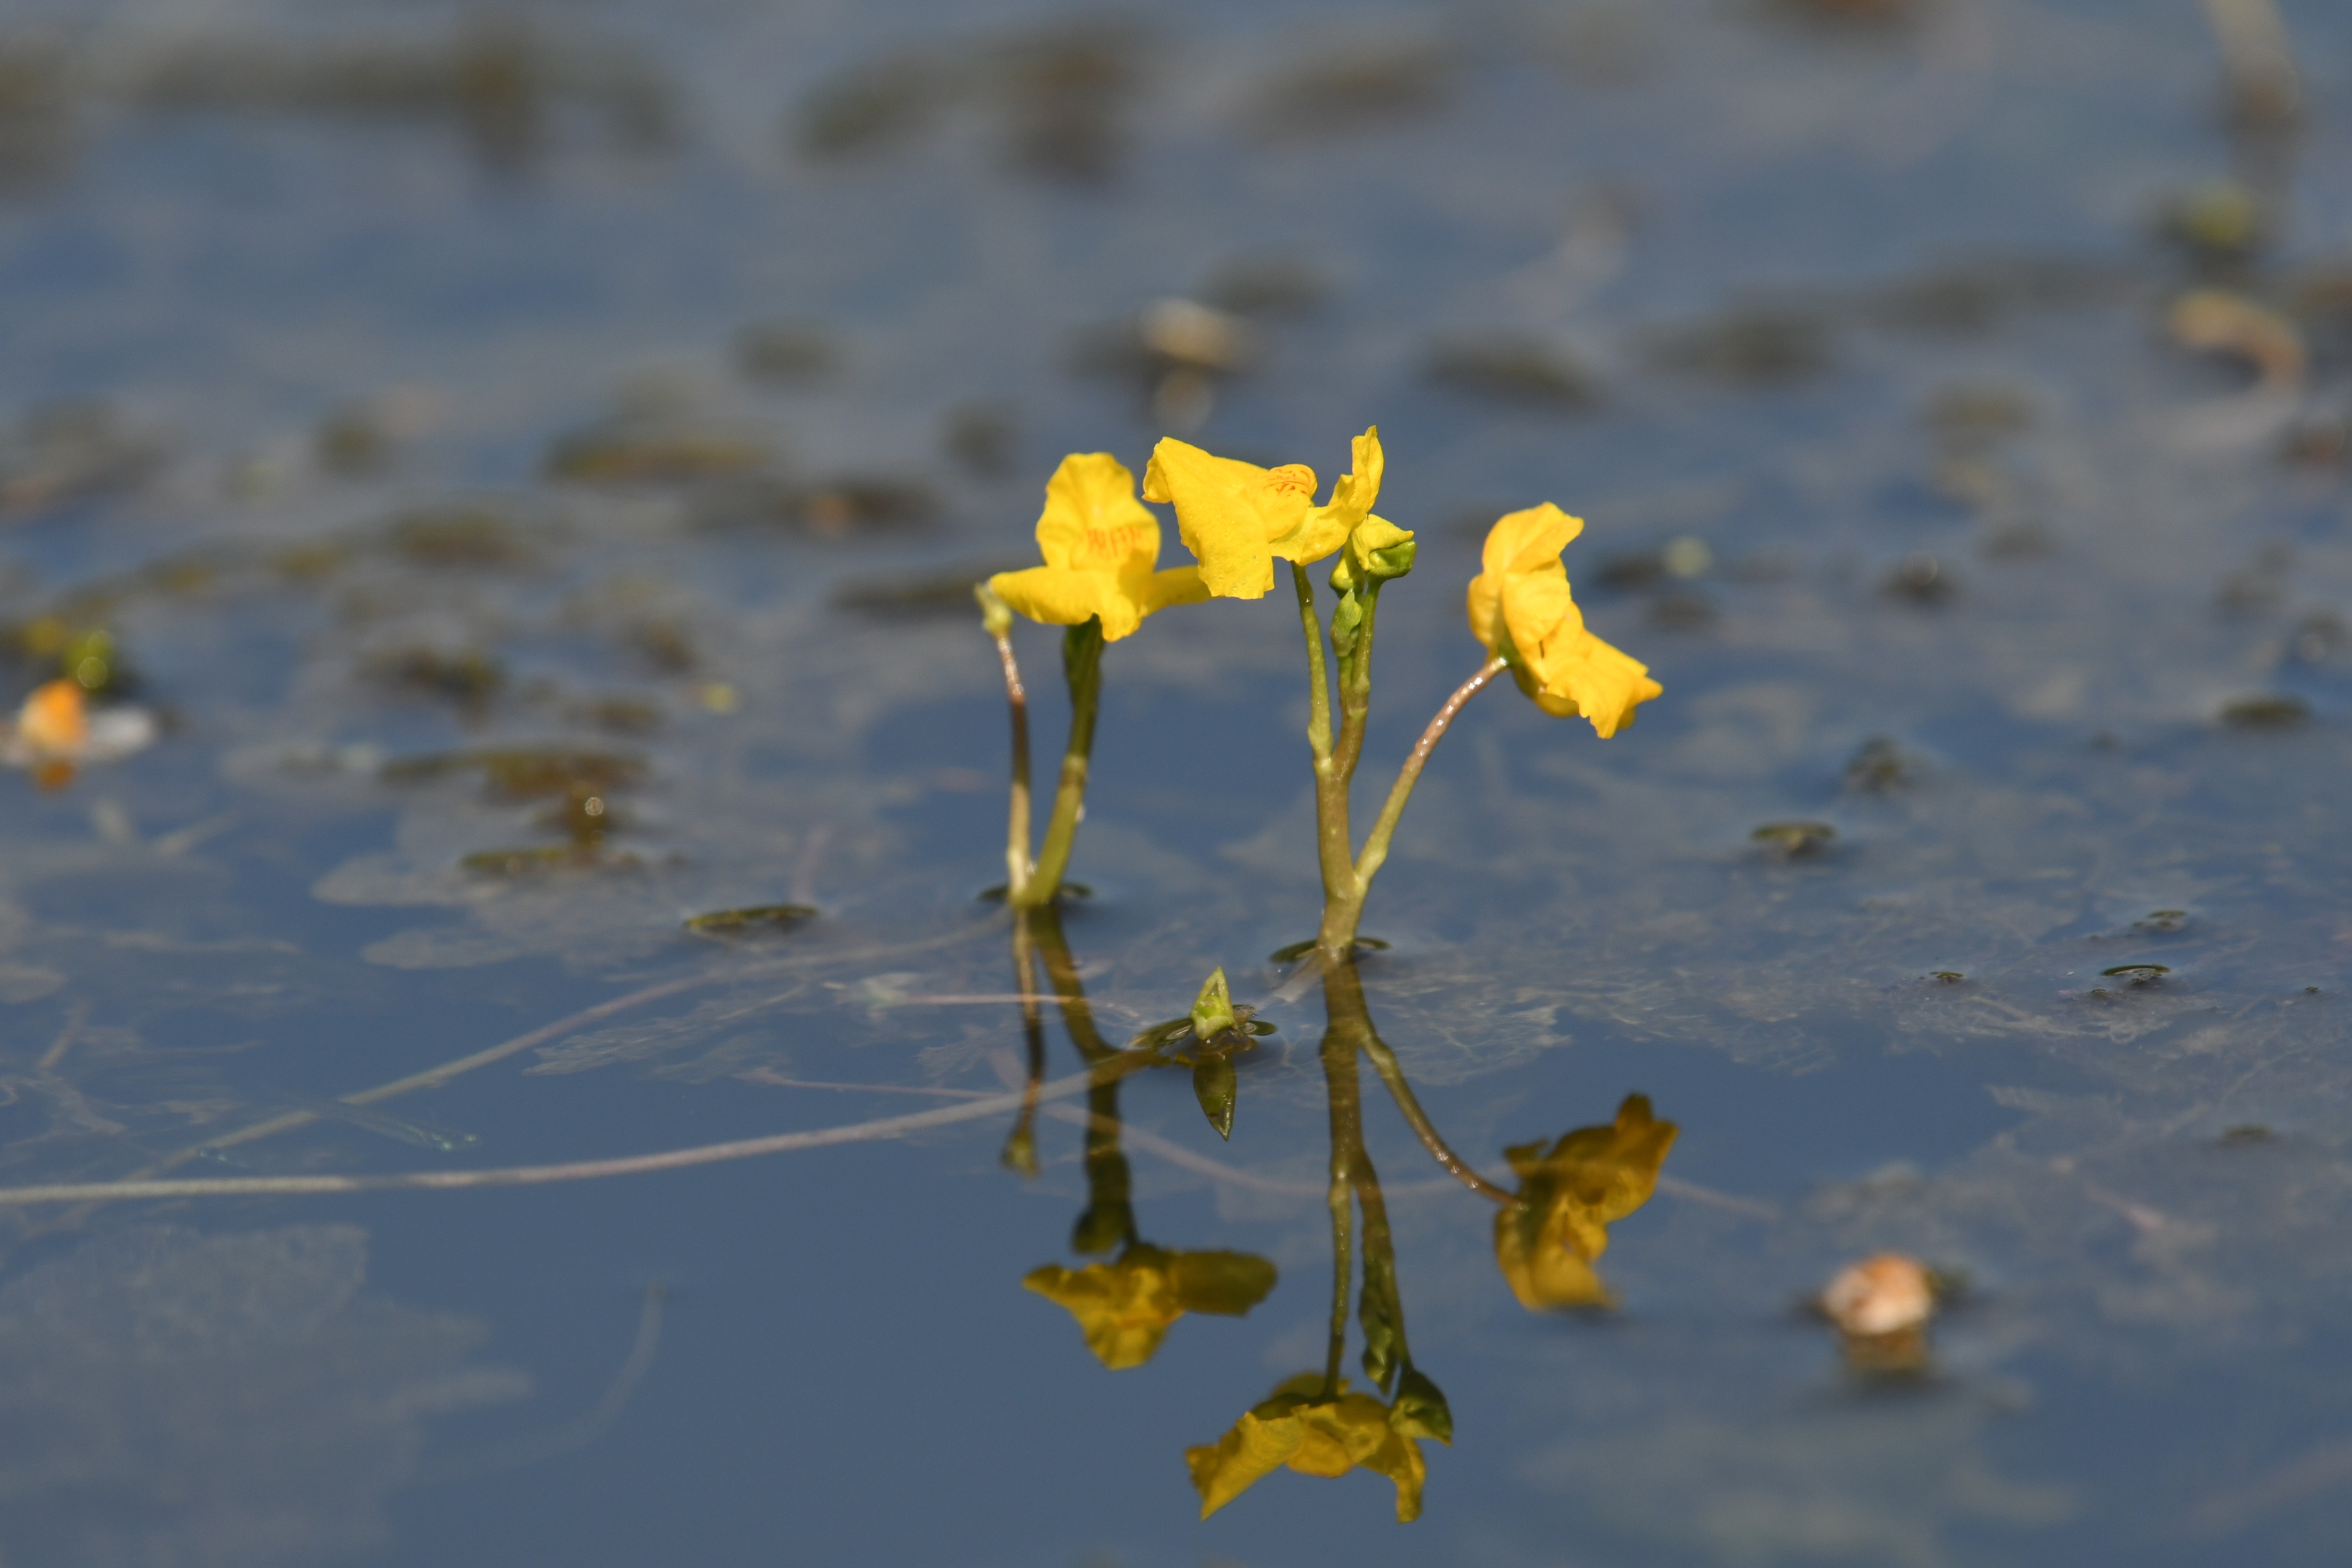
(1101, 547)
(1125, 1309)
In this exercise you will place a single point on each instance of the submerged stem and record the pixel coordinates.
(1347, 1144)
(1082, 665)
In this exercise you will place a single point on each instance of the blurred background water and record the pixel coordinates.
(443, 416)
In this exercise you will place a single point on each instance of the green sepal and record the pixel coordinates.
(1421, 1410)
(995, 614)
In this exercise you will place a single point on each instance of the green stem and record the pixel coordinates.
(1341, 914)
(1017, 863)
(1332, 836)
(1082, 664)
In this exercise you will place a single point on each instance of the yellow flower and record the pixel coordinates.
(1521, 607)
(1237, 516)
(1125, 1308)
(1315, 1436)
(1548, 1241)
(1100, 545)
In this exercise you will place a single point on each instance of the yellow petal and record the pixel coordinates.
(1092, 522)
(1124, 1309)
(1060, 598)
(1523, 541)
(1587, 676)
(1400, 1459)
(1176, 585)
(1521, 608)
(1255, 1448)
(1546, 1242)
(1326, 528)
(1229, 512)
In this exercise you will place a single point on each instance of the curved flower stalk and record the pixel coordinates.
(1522, 610)
(1100, 580)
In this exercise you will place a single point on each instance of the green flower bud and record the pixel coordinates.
(1212, 1010)
(994, 613)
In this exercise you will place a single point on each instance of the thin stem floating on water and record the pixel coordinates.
(886, 1128)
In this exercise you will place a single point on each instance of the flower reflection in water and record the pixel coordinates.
(1548, 1235)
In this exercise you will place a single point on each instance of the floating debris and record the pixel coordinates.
(2219, 221)
(585, 814)
(465, 676)
(1795, 839)
(2246, 1133)
(64, 452)
(981, 437)
(852, 506)
(1363, 85)
(1752, 348)
(630, 453)
(56, 731)
(1919, 578)
(753, 917)
(1946, 976)
(2215, 321)
(1271, 285)
(2137, 975)
(1512, 368)
(1972, 415)
(662, 644)
(1060, 90)
(2274, 711)
(460, 538)
(874, 106)
(503, 84)
(1880, 1308)
(786, 352)
(2162, 920)
(522, 772)
(620, 715)
(543, 857)
(1882, 765)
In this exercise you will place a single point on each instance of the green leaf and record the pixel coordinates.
(1214, 1085)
